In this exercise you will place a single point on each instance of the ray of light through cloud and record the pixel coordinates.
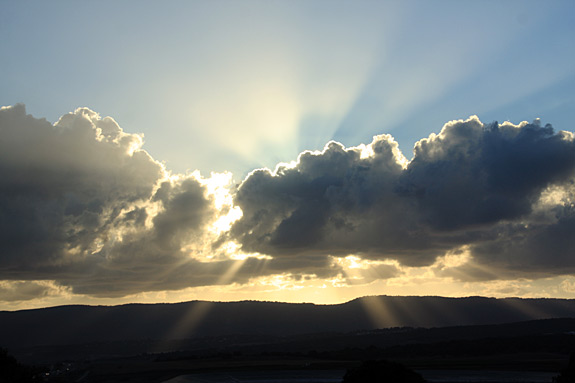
(285, 151)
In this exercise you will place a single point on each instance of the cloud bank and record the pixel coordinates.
(84, 209)
(82, 204)
(505, 191)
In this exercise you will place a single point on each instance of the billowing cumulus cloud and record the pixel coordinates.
(85, 210)
(472, 174)
(485, 186)
(62, 187)
(338, 201)
(82, 204)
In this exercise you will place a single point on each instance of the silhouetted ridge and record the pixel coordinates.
(83, 324)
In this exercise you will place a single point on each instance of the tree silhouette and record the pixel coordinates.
(382, 371)
(13, 372)
(568, 374)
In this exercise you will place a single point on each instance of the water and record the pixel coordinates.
(486, 376)
(335, 376)
(280, 376)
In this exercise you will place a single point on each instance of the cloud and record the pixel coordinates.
(534, 249)
(82, 204)
(85, 210)
(473, 184)
(62, 186)
(474, 174)
(328, 202)
(16, 291)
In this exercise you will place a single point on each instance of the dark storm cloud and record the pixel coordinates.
(472, 184)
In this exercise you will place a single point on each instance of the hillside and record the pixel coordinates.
(66, 325)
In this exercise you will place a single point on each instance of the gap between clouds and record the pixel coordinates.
(84, 209)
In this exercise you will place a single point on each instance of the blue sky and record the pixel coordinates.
(233, 86)
(92, 213)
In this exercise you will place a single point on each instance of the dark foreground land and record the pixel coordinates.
(293, 343)
(446, 366)
(532, 351)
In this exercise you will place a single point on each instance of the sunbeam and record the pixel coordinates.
(380, 314)
(355, 270)
(379, 180)
(186, 325)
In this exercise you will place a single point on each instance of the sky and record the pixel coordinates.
(300, 151)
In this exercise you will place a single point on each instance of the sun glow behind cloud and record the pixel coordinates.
(189, 230)
(282, 97)
(252, 85)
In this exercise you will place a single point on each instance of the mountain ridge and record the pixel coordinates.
(292, 303)
(76, 324)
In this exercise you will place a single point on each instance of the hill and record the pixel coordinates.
(68, 325)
